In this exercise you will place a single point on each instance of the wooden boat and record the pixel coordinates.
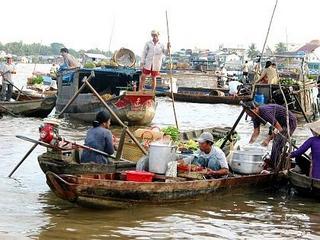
(232, 100)
(305, 185)
(206, 95)
(136, 108)
(30, 108)
(67, 162)
(109, 190)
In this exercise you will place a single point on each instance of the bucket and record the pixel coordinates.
(159, 156)
(259, 98)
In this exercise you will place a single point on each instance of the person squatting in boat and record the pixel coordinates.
(276, 116)
(100, 138)
(313, 143)
(211, 156)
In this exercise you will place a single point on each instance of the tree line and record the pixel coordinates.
(35, 49)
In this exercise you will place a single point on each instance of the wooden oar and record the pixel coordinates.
(171, 84)
(116, 117)
(2, 74)
(8, 111)
(24, 158)
(228, 137)
(73, 143)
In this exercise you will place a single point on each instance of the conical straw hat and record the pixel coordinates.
(314, 127)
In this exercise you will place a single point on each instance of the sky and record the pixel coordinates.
(198, 23)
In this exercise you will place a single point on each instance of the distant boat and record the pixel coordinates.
(207, 95)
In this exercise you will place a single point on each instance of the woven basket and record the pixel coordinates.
(124, 57)
(131, 152)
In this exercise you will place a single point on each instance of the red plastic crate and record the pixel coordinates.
(139, 176)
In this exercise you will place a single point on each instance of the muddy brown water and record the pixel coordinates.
(29, 210)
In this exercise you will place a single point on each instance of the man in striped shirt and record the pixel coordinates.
(275, 115)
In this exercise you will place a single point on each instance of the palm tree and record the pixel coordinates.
(281, 47)
(252, 51)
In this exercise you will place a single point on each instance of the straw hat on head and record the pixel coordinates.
(314, 127)
(155, 32)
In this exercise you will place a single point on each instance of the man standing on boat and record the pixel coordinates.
(276, 115)
(69, 61)
(6, 72)
(151, 60)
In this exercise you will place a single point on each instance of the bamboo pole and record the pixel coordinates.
(170, 62)
(116, 117)
(264, 44)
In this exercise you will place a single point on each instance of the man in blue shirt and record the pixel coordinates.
(211, 156)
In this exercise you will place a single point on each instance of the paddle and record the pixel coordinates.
(8, 111)
(2, 74)
(38, 142)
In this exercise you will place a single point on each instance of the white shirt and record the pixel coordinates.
(152, 55)
(7, 69)
(233, 87)
(245, 68)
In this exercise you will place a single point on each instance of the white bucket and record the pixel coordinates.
(159, 156)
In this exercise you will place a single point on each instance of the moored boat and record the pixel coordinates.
(29, 108)
(136, 108)
(304, 185)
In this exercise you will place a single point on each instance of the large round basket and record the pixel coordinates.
(124, 57)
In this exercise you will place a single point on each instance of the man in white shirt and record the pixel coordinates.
(245, 71)
(151, 60)
(6, 71)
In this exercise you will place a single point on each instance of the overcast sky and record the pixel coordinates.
(197, 23)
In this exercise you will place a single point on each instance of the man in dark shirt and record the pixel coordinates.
(275, 115)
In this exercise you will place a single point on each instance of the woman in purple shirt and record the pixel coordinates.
(275, 115)
(314, 144)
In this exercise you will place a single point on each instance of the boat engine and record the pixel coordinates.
(49, 132)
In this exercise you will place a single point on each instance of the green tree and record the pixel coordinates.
(281, 47)
(55, 48)
(252, 51)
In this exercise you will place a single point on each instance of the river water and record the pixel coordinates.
(29, 210)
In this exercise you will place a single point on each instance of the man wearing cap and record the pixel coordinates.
(151, 60)
(314, 144)
(211, 156)
(6, 71)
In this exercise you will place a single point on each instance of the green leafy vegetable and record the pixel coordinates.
(173, 132)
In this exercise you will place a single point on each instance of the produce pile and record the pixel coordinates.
(288, 81)
(173, 132)
(37, 80)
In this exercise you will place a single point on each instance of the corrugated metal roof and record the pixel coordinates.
(310, 47)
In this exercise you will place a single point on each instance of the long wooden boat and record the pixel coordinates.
(108, 190)
(199, 98)
(67, 162)
(305, 185)
(30, 108)
(136, 108)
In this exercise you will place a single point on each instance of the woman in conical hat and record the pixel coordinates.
(314, 144)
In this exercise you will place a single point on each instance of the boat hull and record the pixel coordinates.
(89, 191)
(30, 108)
(195, 98)
(304, 185)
